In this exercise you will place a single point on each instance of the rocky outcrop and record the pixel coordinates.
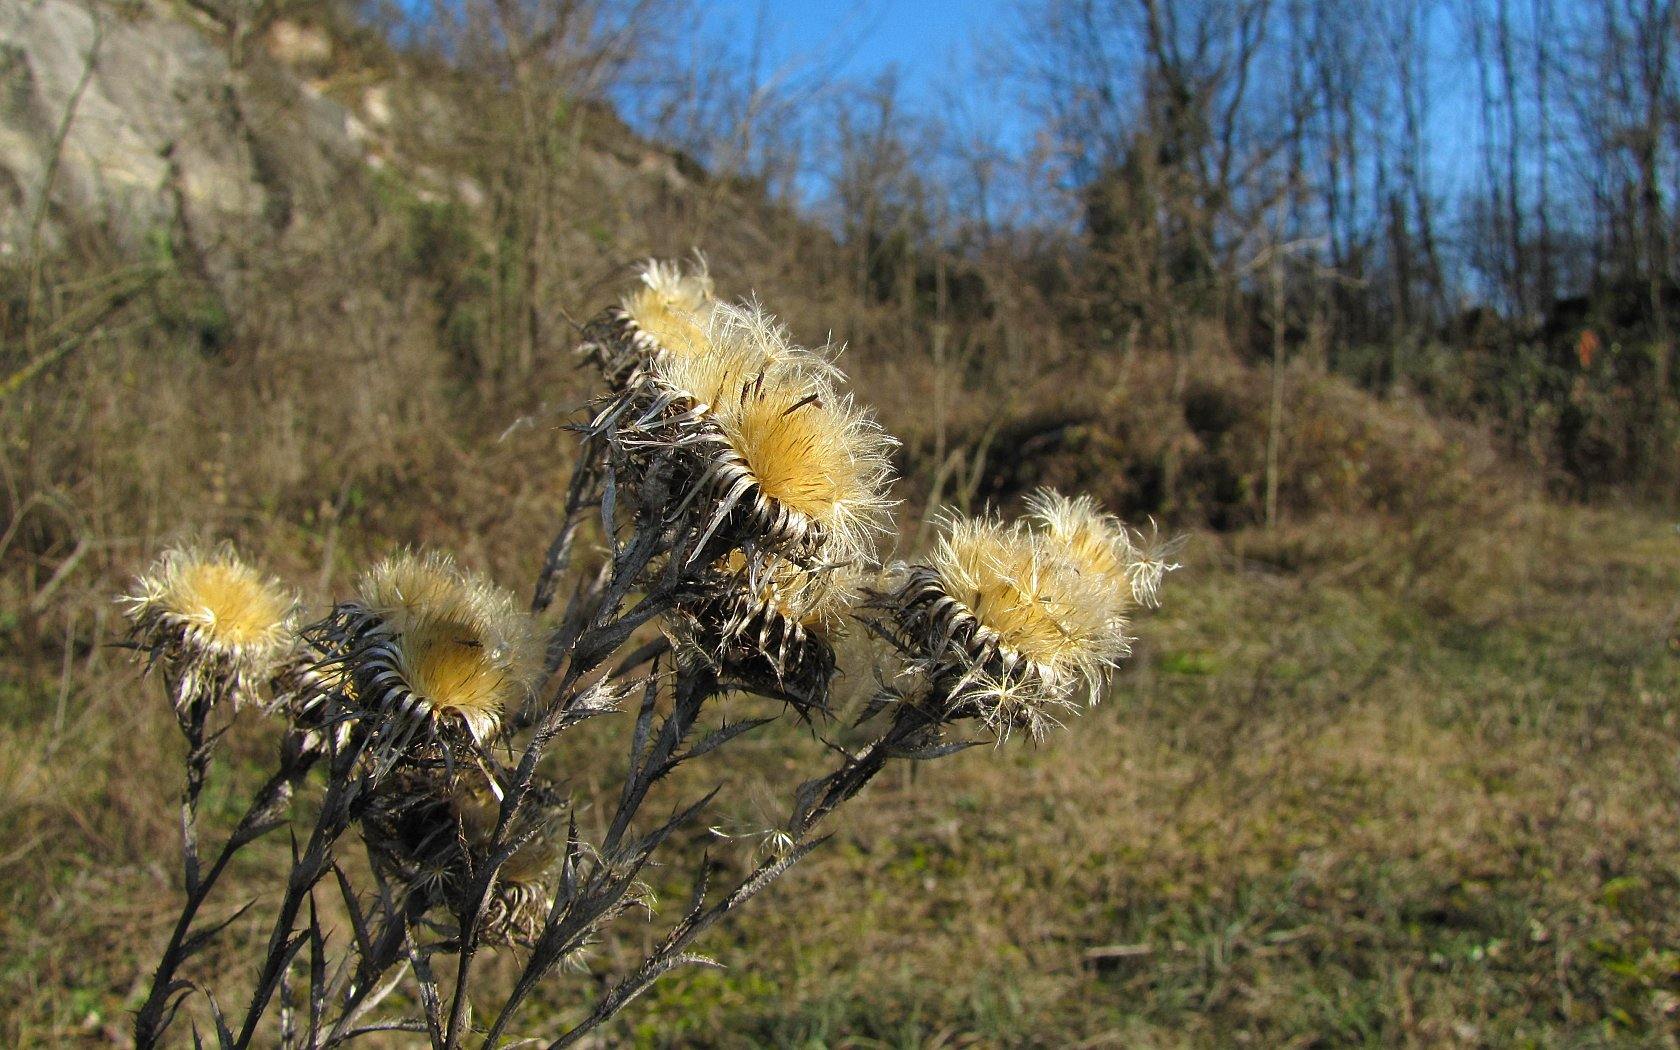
(141, 124)
(136, 124)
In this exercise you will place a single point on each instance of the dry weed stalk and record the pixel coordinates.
(740, 496)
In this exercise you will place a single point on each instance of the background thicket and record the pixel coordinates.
(1397, 761)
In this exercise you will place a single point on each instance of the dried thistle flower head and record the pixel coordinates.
(479, 809)
(998, 615)
(820, 459)
(218, 624)
(1044, 616)
(771, 623)
(446, 646)
(749, 331)
(716, 371)
(739, 344)
(671, 306)
(524, 883)
(671, 310)
(408, 588)
(806, 466)
(411, 831)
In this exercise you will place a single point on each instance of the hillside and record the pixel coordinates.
(1385, 770)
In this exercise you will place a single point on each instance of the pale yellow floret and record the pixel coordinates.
(1149, 564)
(752, 331)
(408, 587)
(451, 667)
(1058, 620)
(462, 644)
(734, 344)
(724, 373)
(1092, 542)
(672, 306)
(222, 603)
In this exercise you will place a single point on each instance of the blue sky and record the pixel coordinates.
(923, 38)
(929, 41)
(934, 47)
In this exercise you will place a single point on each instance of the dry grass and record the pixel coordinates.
(1326, 806)
(1397, 772)
(1313, 815)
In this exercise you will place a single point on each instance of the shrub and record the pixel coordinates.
(740, 495)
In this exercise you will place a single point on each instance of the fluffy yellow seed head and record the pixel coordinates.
(1060, 621)
(818, 455)
(409, 588)
(1097, 543)
(821, 457)
(672, 306)
(752, 331)
(449, 666)
(216, 623)
(214, 602)
(739, 344)
(461, 644)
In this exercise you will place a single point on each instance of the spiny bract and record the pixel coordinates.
(218, 620)
(671, 306)
(451, 643)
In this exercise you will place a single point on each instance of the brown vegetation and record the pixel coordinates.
(1396, 766)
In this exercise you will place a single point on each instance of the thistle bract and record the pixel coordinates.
(770, 624)
(216, 625)
(1004, 626)
(434, 648)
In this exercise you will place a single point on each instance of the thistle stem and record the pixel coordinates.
(334, 819)
(855, 773)
(150, 1021)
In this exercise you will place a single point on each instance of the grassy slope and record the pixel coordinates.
(1316, 814)
(1322, 809)
(1370, 780)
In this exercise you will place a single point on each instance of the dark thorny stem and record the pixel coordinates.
(260, 817)
(695, 685)
(580, 494)
(910, 731)
(151, 1020)
(606, 632)
(375, 957)
(652, 755)
(672, 952)
(334, 818)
